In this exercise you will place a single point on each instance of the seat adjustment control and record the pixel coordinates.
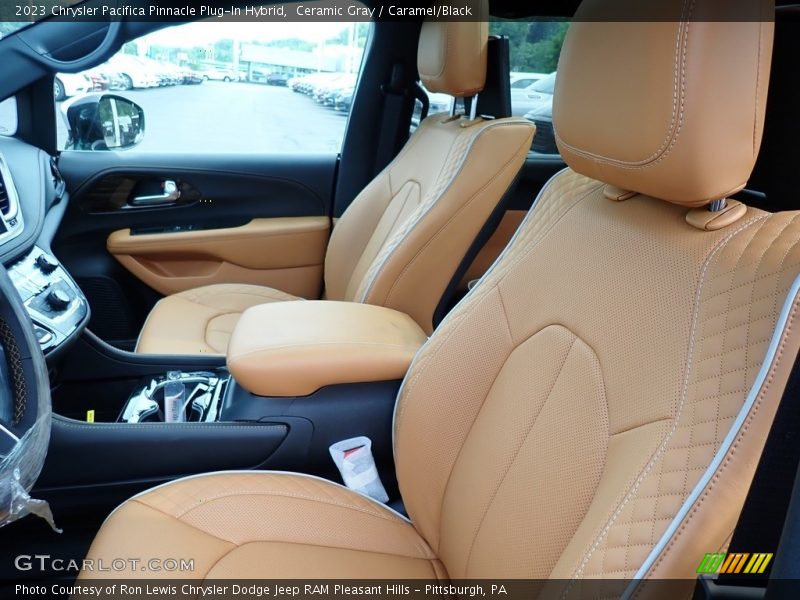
(58, 299)
(46, 263)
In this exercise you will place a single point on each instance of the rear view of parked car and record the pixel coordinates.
(535, 96)
(213, 74)
(132, 72)
(66, 85)
(279, 79)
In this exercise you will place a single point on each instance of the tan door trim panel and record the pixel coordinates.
(506, 229)
(286, 253)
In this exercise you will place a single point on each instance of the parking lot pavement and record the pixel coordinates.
(232, 117)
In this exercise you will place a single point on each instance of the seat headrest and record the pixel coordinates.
(452, 54)
(670, 105)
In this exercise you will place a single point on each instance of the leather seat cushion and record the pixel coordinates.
(252, 525)
(200, 321)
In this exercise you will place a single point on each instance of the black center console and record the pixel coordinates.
(178, 397)
(297, 381)
(55, 303)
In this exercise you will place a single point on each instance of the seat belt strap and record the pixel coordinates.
(394, 125)
(419, 94)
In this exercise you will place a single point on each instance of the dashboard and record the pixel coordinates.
(32, 202)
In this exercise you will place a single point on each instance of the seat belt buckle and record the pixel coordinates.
(354, 460)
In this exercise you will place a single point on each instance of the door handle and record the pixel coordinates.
(171, 194)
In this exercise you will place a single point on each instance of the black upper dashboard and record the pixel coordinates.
(30, 188)
(32, 202)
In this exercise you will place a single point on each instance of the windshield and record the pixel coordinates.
(7, 27)
(546, 85)
(14, 17)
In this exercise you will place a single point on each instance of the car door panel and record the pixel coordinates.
(286, 253)
(211, 234)
(231, 184)
(508, 225)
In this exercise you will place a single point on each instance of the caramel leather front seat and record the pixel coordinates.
(402, 239)
(596, 406)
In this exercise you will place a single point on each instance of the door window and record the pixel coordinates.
(221, 86)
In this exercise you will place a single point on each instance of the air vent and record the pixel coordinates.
(5, 203)
(9, 205)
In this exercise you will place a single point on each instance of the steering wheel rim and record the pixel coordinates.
(85, 62)
(25, 408)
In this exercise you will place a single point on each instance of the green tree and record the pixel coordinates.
(289, 44)
(343, 37)
(534, 46)
(223, 51)
(7, 27)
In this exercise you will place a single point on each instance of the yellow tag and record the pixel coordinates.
(90, 416)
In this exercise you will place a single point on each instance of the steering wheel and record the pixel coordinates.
(25, 410)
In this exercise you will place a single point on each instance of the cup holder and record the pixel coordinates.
(177, 397)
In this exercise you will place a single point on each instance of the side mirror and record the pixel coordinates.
(102, 122)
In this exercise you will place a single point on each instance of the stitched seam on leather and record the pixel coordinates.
(758, 86)
(426, 552)
(429, 556)
(427, 200)
(478, 293)
(166, 245)
(678, 103)
(686, 373)
(225, 555)
(228, 494)
(743, 430)
(745, 284)
(451, 322)
(385, 189)
(453, 217)
(524, 240)
(519, 447)
(631, 428)
(342, 345)
(203, 501)
(666, 441)
(394, 224)
(426, 205)
(519, 238)
(725, 337)
(190, 525)
(544, 233)
(264, 296)
(442, 46)
(469, 430)
(207, 329)
(742, 433)
(786, 253)
(679, 409)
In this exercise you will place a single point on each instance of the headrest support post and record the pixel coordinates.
(473, 108)
(718, 205)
